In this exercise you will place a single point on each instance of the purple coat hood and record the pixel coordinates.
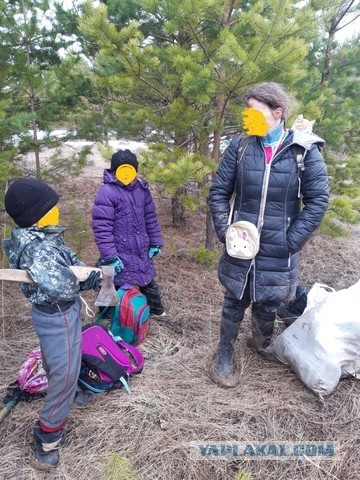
(125, 224)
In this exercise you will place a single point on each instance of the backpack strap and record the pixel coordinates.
(100, 316)
(244, 142)
(299, 155)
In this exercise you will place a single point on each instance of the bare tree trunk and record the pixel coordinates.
(177, 209)
(220, 106)
(32, 96)
(328, 55)
(35, 138)
(210, 232)
(338, 16)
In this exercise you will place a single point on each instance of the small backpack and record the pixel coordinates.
(31, 383)
(130, 318)
(31, 376)
(106, 363)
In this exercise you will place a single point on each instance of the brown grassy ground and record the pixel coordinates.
(173, 402)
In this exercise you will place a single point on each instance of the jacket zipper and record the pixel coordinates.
(264, 189)
(287, 227)
(259, 227)
(260, 220)
(265, 184)
(252, 264)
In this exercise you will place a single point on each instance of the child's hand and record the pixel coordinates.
(114, 262)
(153, 251)
(92, 282)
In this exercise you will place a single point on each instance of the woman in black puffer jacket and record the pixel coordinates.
(271, 277)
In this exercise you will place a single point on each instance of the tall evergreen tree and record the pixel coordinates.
(177, 72)
(12, 124)
(329, 93)
(39, 84)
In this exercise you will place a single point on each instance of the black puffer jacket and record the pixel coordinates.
(287, 227)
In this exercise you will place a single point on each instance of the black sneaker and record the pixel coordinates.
(83, 398)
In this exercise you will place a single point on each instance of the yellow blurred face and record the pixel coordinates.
(272, 117)
(125, 174)
(50, 218)
(254, 122)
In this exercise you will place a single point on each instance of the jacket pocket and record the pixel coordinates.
(289, 259)
(288, 224)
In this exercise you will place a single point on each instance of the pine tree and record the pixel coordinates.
(40, 86)
(12, 124)
(177, 73)
(329, 94)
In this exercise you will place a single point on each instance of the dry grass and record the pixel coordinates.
(173, 402)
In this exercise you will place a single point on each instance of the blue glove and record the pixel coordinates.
(114, 262)
(153, 251)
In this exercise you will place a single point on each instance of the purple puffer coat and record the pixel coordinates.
(125, 225)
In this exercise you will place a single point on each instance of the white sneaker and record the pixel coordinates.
(161, 315)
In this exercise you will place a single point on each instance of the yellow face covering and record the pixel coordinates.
(125, 174)
(255, 122)
(50, 218)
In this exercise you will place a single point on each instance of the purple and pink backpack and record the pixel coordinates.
(107, 363)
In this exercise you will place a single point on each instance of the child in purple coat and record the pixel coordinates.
(126, 229)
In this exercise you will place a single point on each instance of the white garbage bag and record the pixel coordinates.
(316, 295)
(323, 344)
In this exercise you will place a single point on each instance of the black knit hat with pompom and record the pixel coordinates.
(123, 157)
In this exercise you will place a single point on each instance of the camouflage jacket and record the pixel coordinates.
(43, 254)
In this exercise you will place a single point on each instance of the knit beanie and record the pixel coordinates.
(27, 200)
(123, 157)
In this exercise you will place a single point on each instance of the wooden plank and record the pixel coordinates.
(13, 275)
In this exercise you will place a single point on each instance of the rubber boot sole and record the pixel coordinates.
(231, 380)
(41, 466)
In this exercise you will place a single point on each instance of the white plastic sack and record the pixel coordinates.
(317, 294)
(323, 344)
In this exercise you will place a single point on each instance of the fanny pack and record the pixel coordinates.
(242, 239)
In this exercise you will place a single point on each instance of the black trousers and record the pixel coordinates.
(263, 315)
(152, 294)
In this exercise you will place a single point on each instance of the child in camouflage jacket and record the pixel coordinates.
(37, 246)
